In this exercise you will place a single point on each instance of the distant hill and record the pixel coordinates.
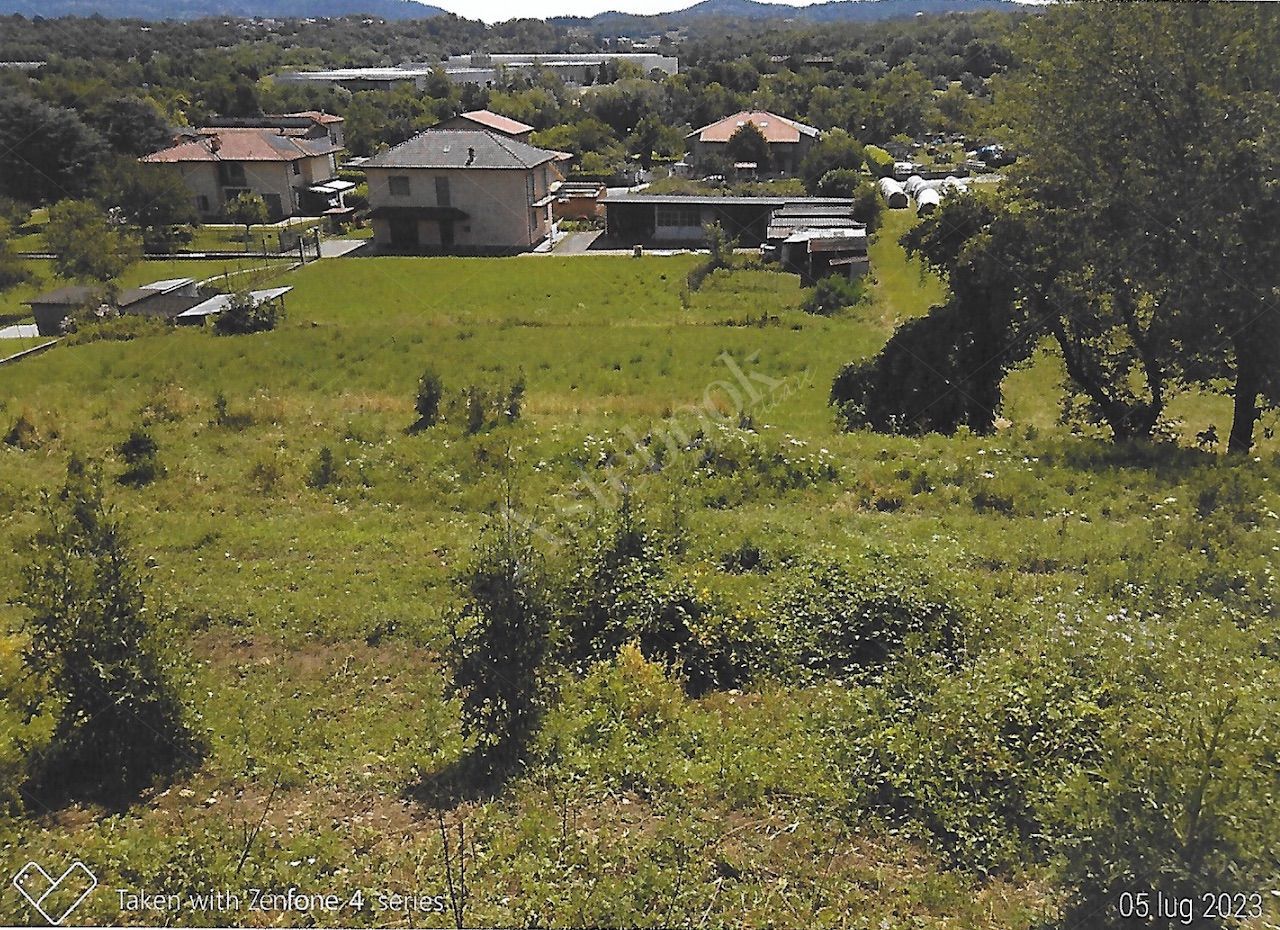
(198, 9)
(828, 12)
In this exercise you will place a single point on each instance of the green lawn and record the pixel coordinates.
(225, 238)
(314, 616)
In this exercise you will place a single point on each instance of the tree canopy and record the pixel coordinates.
(1138, 230)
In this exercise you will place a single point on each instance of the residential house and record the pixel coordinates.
(292, 164)
(464, 191)
(487, 119)
(789, 141)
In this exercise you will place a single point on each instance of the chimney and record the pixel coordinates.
(215, 144)
(471, 156)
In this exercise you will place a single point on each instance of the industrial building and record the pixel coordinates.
(577, 69)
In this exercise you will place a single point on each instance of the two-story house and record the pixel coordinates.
(292, 165)
(789, 141)
(462, 191)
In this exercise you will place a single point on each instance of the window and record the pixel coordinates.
(232, 173)
(202, 202)
(682, 216)
(297, 167)
(442, 192)
(398, 184)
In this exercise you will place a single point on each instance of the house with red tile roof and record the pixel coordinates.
(289, 160)
(789, 141)
(487, 119)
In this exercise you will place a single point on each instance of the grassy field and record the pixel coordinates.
(313, 617)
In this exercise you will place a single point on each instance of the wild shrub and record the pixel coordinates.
(502, 639)
(838, 623)
(427, 403)
(325, 470)
(626, 724)
(482, 407)
(244, 316)
(119, 720)
(1182, 797)
(975, 756)
(720, 245)
(726, 451)
(833, 294)
(988, 501)
(122, 328)
(141, 458)
(24, 434)
(267, 473)
(626, 589)
(476, 402)
(25, 724)
(223, 415)
(745, 558)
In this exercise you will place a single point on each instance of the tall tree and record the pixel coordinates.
(748, 144)
(131, 125)
(1139, 230)
(46, 153)
(247, 209)
(156, 202)
(13, 270)
(87, 244)
(1149, 132)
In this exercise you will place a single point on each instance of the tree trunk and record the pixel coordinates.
(1246, 411)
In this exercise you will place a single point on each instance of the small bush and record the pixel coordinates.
(721, 247)
(325, 470)
(141, 458)
(120, 723)
(833, 294)
(627, 590)
(245, 316)
(224, 417)
(482, 407)
(427, 403)
(123, 328)
(267, 473)
(748, 557)
(626, 724)
(24, 434)
(502, 639)
(985, 501)
(837, 623)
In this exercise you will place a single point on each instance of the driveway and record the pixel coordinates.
(575, 243)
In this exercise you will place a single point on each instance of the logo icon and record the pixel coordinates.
(55, 899)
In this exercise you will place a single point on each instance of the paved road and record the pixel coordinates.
(575, 243)
(336, 248)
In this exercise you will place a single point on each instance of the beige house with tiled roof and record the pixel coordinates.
(462, 191)
(292, 165)
(789, 140)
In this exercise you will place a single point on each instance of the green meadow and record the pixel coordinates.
(307, 617)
